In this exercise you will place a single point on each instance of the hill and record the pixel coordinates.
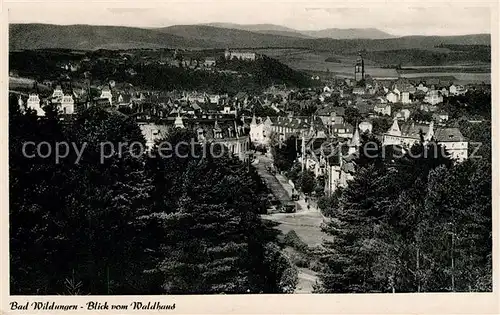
(89, 37)
(35, 36)
(349, 33)
(334, 33)
(262, 28)
(227, 37)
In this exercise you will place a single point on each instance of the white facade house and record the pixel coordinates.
(433, 97)
(365, 126)
(68, 104)
(258, 134)
(34, 104)
(409, 134)
(106, 93)
(457, 90)
(230, 55)
(405, 97)
(392, 97)
(382, 109)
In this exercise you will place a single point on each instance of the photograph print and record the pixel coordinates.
(249, 148)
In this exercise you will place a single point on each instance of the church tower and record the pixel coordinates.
(359, 69)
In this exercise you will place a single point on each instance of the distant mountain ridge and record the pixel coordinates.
(90, 37)
(333, 33)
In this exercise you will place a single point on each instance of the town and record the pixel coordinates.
(302, 133)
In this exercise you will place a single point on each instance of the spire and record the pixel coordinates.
(178, 121)
(355, 141)
(394, 131)
(254, 121)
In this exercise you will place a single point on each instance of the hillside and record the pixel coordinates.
(35, 36)
(262, 28)
(334, 33)
(350, 33)
(226, 37)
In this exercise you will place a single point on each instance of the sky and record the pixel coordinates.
(397, 18)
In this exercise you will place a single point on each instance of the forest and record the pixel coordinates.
(134, 224)
(416, 223)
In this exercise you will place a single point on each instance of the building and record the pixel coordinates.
(209, 62)
(358, 91)
(457, 90)
(67, 104)
(344, 130)
(340, 165)
(407, 135)
(225, 132)
(392, 97)
(230, 55)
(58, 92)
(365, 126)
(34, 104)
(405, 97)
(403, 114)
(382, 109)
(331, 115)
(286, 127)
(359, 69)
(433, 97)
(106, 93)
(440, 117)
(258, 134)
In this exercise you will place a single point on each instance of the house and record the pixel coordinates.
(286, 127)
(444, 91)
(422, 87)
(68, 104)
(331, 115)
(440, 116)
(382, 109)
(124, 100)
(34, 104)
(392, 97)
(209, 62)
(340, 165)
(428, 107)
(403, 114)
(457, 90)
(344, 130)
(408, 134)
(433, 97)
(405, 97)
(106, 93)
(365, 126)
(258, 132)
(358, 91)
(230, 55)
(58, 92)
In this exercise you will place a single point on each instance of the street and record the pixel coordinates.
(305, 222)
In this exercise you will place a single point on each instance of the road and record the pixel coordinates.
(305, 222)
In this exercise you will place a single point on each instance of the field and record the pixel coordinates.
(342, 66)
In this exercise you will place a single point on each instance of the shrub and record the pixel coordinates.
(293, 240)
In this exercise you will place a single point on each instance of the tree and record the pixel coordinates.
(352, 116)
(307, 182)
(286, 154)
(213, 239)
(380, 125)
(79, 221)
